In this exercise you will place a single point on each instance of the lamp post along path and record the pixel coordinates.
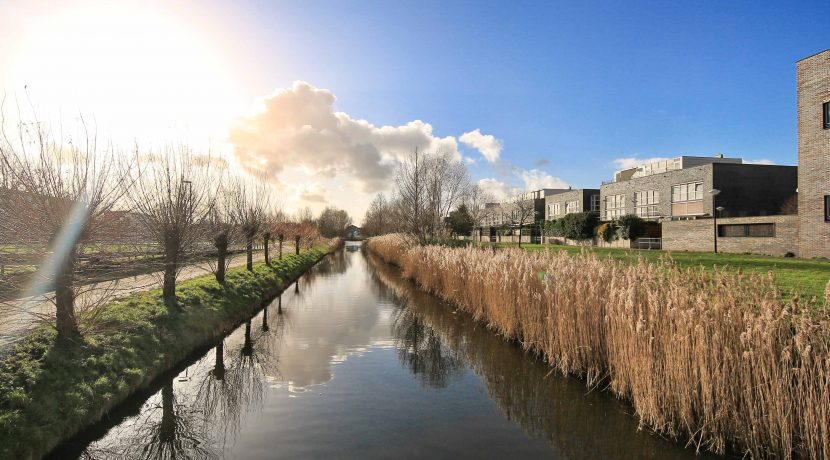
(714, 192)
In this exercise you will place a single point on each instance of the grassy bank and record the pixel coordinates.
(716, 358)
(805, 277)
(49, 393)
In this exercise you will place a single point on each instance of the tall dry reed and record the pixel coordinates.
(716, 358)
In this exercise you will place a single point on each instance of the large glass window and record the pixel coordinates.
(571, 207)
(595, 203)
(687, 192)
(687, 199)
(614, 206)
(646, 201)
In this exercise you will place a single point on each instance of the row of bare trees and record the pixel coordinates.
(428, 186)
(75, 209)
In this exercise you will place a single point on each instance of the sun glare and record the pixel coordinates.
(141, 73)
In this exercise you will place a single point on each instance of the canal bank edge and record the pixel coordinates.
(48, 395)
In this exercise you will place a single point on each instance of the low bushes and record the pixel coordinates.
(716, 358)
(48, 394)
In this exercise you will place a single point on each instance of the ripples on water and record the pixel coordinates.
(354, 362)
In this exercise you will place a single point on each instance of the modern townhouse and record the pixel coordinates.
(505, 218)
(689, 187)
(571, 201)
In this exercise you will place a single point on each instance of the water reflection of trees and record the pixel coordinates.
(420, 350)
(198, 416)
(577, 423)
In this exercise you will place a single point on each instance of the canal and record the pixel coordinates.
(355, 362)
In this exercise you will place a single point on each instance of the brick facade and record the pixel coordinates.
(580, 195)
(660, 182)
(813, 81)
(746, 189)
(698, 235)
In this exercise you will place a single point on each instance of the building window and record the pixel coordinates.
(826, 114)
(687, 199)
(746, 230)
(614, 206)
(571, 207)
(827, 208)
(646, 203)
(595, 203)
(687, 192)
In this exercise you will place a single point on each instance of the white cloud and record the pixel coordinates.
(759, 162)
(498, 189)
(298, 126)
(630, 162)
(486, 144)
(533, 179)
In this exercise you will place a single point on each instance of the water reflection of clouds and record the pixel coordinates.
(337, 320)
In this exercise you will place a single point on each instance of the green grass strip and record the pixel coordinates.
(49, 393)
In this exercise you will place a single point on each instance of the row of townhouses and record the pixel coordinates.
(767, 209)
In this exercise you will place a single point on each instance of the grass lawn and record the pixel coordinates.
(807, 277)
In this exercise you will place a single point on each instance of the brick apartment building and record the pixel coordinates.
(813, 83)
(680, 188)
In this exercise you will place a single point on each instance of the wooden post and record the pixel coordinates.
(297, 244)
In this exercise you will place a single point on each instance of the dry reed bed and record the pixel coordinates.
(717, 358)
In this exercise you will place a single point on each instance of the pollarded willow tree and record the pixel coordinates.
(173, 200)
(59, 201)
(220, 225)
(249, 206)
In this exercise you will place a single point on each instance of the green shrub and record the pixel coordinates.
(577, 226)
(631, 227)
(608, 231)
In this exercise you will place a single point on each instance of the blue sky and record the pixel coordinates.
(567, 88)
(576, 84)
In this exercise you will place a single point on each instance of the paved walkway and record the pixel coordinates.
(19, 315)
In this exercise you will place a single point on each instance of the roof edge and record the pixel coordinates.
(813, 55)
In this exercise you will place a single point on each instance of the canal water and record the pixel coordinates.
(355, 362)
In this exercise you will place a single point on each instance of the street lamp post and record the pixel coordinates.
(714, 192)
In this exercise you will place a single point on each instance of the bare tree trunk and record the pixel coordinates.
(249, 249)
(520, 235)
(66, 322)
(167, 430)
(282, 238)
(221, 244)
(219, 366)
(171, 264)
(297, 244)
(248, 346)
(266, 240)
